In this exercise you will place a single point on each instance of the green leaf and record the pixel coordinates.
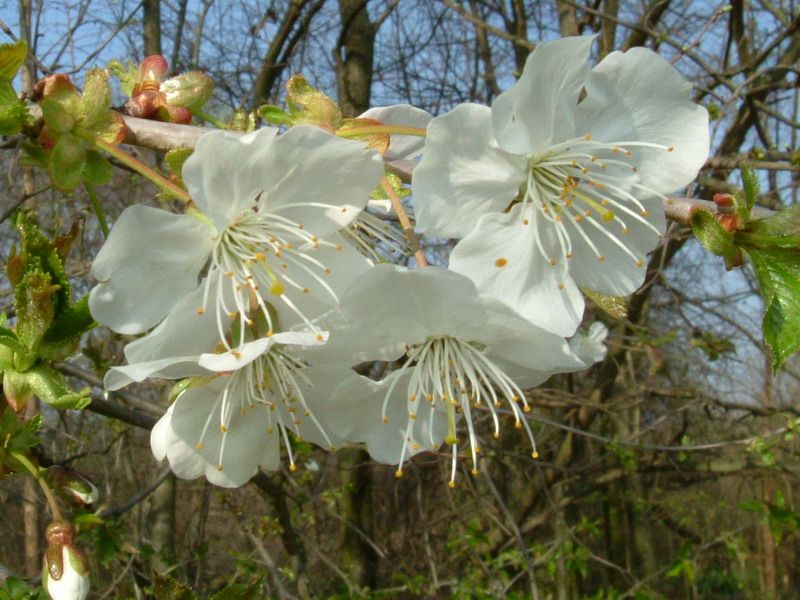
(66, 162)
(34, 155)
(61, 339)
(10, 340)
(167, 588)
(13, 112)
(127, 76)
(781, 229)
(778, 272)
(712, 235)
(319, 109)
(11, 58)
(96, 99)
(612, 305)
(175, 159)
(239, 592)
(35, 310)
(274, 115)
(49, 386)
(97, 170)
(18, 435)
(752, 188)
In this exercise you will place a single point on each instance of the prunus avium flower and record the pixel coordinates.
(459, 354)
(268, 209)
(560, 184)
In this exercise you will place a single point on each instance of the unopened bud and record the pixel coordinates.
(145, 102)
(723, 200)
(65, 572)
(152, 68)
(730, 222)
(175, 114)
(74, 488)
(189, 90)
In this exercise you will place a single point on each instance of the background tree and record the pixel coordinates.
(666, 471)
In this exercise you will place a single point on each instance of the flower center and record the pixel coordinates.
(264, 252)
(452, 377)
(274, 380)
(588, 186)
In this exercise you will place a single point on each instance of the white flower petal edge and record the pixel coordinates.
(150, 261)
(360, 410)
(502, 256)
(463, 173)
(539, 109)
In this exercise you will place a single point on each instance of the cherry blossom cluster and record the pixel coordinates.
(260, 299)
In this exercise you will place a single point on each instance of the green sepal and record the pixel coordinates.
(59, 118)
(66, 162)
(11, 58)
(96, 169)
(62, 338)
(167, 588)
(713, 236)
(239, 592)
(778, 272)
(175, 159)
(275, 115)
(49, 386)
(126, 76)
(189, 90)
(34, 155)
(17, 390)
(110, 128)
(96, 99)
(35, 308)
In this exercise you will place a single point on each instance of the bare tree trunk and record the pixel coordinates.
(568, 19)
(161, 518)
(353, 57)
(769, 572)
(358, 556)
(151, 21)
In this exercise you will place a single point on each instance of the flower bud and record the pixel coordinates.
(73, 487)
(152, 68)
(65, 572)
(723, 200)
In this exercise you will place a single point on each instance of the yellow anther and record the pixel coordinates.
(220, 468)
(588, 137)
(452, 484)
(534, 454)
(518, 425)
(223, 428)
(385, 419)
(601, 258)
(293, 467)
(398, 473)
(199, 446)
(474, 471)
(277, 289)
(200, 311)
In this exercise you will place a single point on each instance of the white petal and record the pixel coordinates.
(183, 333)
(590, 347)
(619, 274)
(226, 172)
(247, 446)
(174, 367)
(401, 147)
(307, 164)
(158, 435)
(638, 96)
(355, 412)
(150, 261)
(502, 258)
(539, 109)
(463, 174)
